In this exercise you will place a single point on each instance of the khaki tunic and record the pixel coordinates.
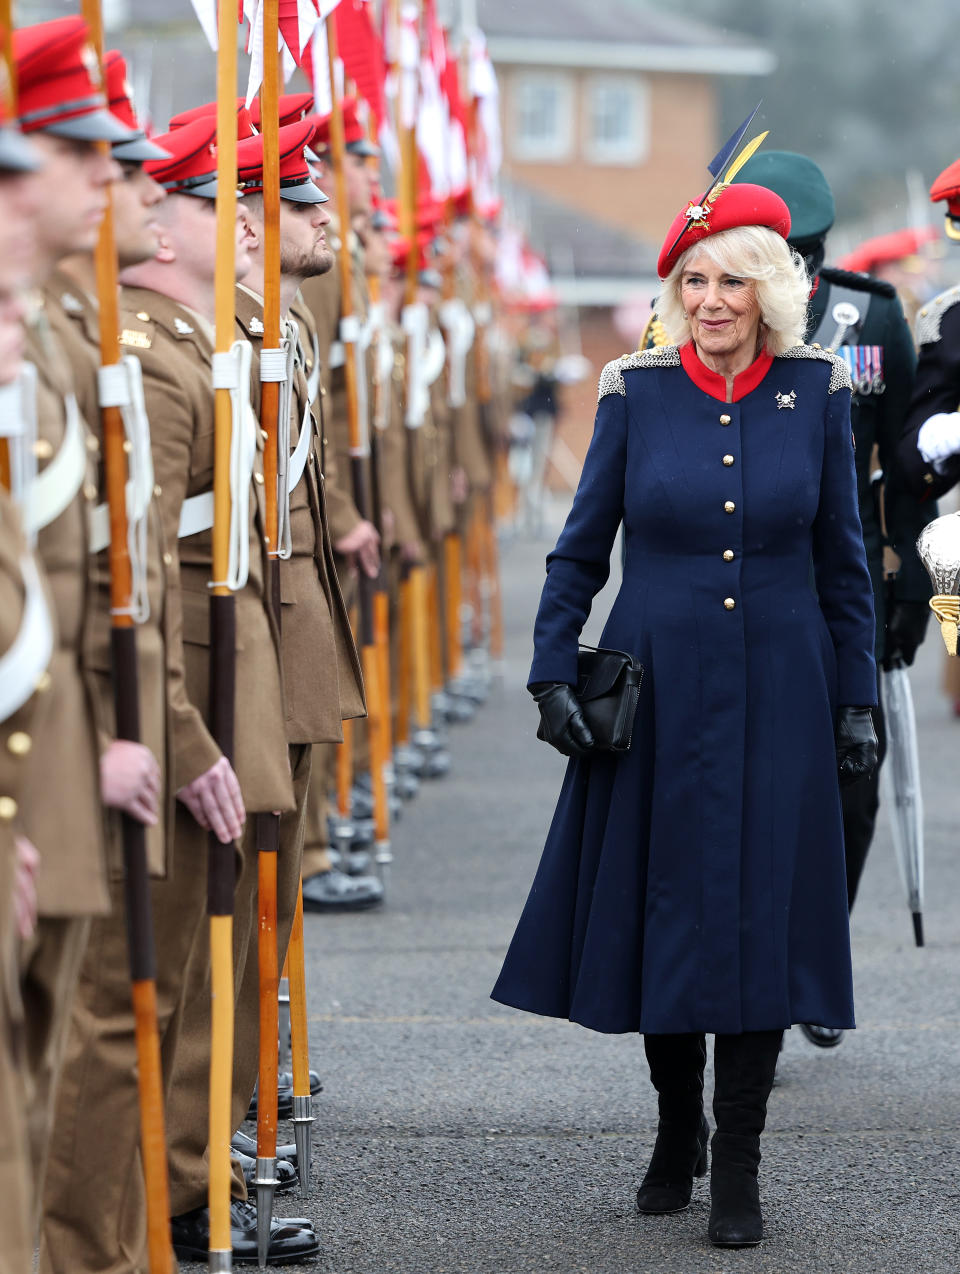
(74, 317)
(320, 662)
(69, 830)
(175, 351)
(16, 756)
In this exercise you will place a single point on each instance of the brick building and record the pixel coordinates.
(610, 116)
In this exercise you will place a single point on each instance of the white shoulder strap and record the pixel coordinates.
(53, 490)
(31, 649)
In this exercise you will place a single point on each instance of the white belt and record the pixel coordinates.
(298, 461)
(196, 512)
(31, 649)
(53, 490)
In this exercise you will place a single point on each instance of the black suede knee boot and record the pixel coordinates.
(680, 1154)
(744, 1067)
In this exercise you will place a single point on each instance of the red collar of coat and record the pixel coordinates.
(714, 384)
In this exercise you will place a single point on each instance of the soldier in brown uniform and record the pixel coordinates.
(168, 321)
(26, 646)
(355, 539)
(101, 1227)
(321, 669)
(63, 110)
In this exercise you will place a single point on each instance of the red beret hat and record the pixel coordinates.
(733, 206)
(59, 89)
(191, 168)
(296, 184)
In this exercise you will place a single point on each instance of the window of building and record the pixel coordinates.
(542, 117)
(618, 122)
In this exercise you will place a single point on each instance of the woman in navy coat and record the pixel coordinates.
(695, 884)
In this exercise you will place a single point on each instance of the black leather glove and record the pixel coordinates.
(856, 744)
(906, 629)
(561, 720)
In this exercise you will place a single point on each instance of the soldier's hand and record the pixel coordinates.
(363, 544)
(906, 629)
(938, 438)
(25, 887)
(215, 801)
(412, 552)
(130, 780)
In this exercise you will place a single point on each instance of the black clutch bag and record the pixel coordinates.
(608, 688)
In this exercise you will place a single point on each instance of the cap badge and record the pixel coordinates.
(256, 326)
(71, 304)
(88, 56)
(787, 400)
(182, 327)
(698, 215)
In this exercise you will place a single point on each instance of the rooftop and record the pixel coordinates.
(615, 33)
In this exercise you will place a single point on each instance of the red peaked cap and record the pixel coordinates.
(427, 273)
(16, 153)
(208, 110)
(192, 166)
(292, 108)
(884, 248)
(120, 99)
(738, 205)
(357, 141)
(59, 89)
(296, 184)
(947, 186)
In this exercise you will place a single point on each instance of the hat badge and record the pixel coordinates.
(698, 215)
(88, 56)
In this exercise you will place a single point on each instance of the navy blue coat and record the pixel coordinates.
(697, 882)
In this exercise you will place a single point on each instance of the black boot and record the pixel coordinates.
(680, 1154)
(744, 1069)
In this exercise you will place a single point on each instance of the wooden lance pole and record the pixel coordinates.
(359, 455)
(223, 640)
(267, 824)
(126, 696)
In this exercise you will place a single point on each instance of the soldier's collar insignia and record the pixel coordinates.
(139, 340)
(183, 328)
(786, 400)
(256, 325)
(71, 304)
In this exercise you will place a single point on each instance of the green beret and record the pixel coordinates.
(800, 184)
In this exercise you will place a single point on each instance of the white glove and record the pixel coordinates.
(939, 437)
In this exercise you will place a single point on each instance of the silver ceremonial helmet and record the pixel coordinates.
(939, 549)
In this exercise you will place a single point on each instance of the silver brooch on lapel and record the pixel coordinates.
(786, 400)
(256, 326)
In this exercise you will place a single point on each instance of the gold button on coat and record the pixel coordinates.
(724, 419)
(92, 443)
(258, 478)
(729, 507)
(158, 490)
(729, 603)
(168, 559)
(44, 682)
(19, 743)
(728, 555)
(728, 461)
(90, 491)
(43, 449)
(8, 809)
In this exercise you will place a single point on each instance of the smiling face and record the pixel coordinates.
(722, 309)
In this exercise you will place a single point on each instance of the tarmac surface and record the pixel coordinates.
(456, 1136)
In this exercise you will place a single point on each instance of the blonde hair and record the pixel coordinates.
(747, 252)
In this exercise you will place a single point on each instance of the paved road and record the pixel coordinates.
(455, 1135)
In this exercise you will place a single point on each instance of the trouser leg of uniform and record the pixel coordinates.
(94, 1202)
(316, 857)
(16, 1250)
(50, 967)
(187, 1062)
(247, 1036)
(860, 802)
